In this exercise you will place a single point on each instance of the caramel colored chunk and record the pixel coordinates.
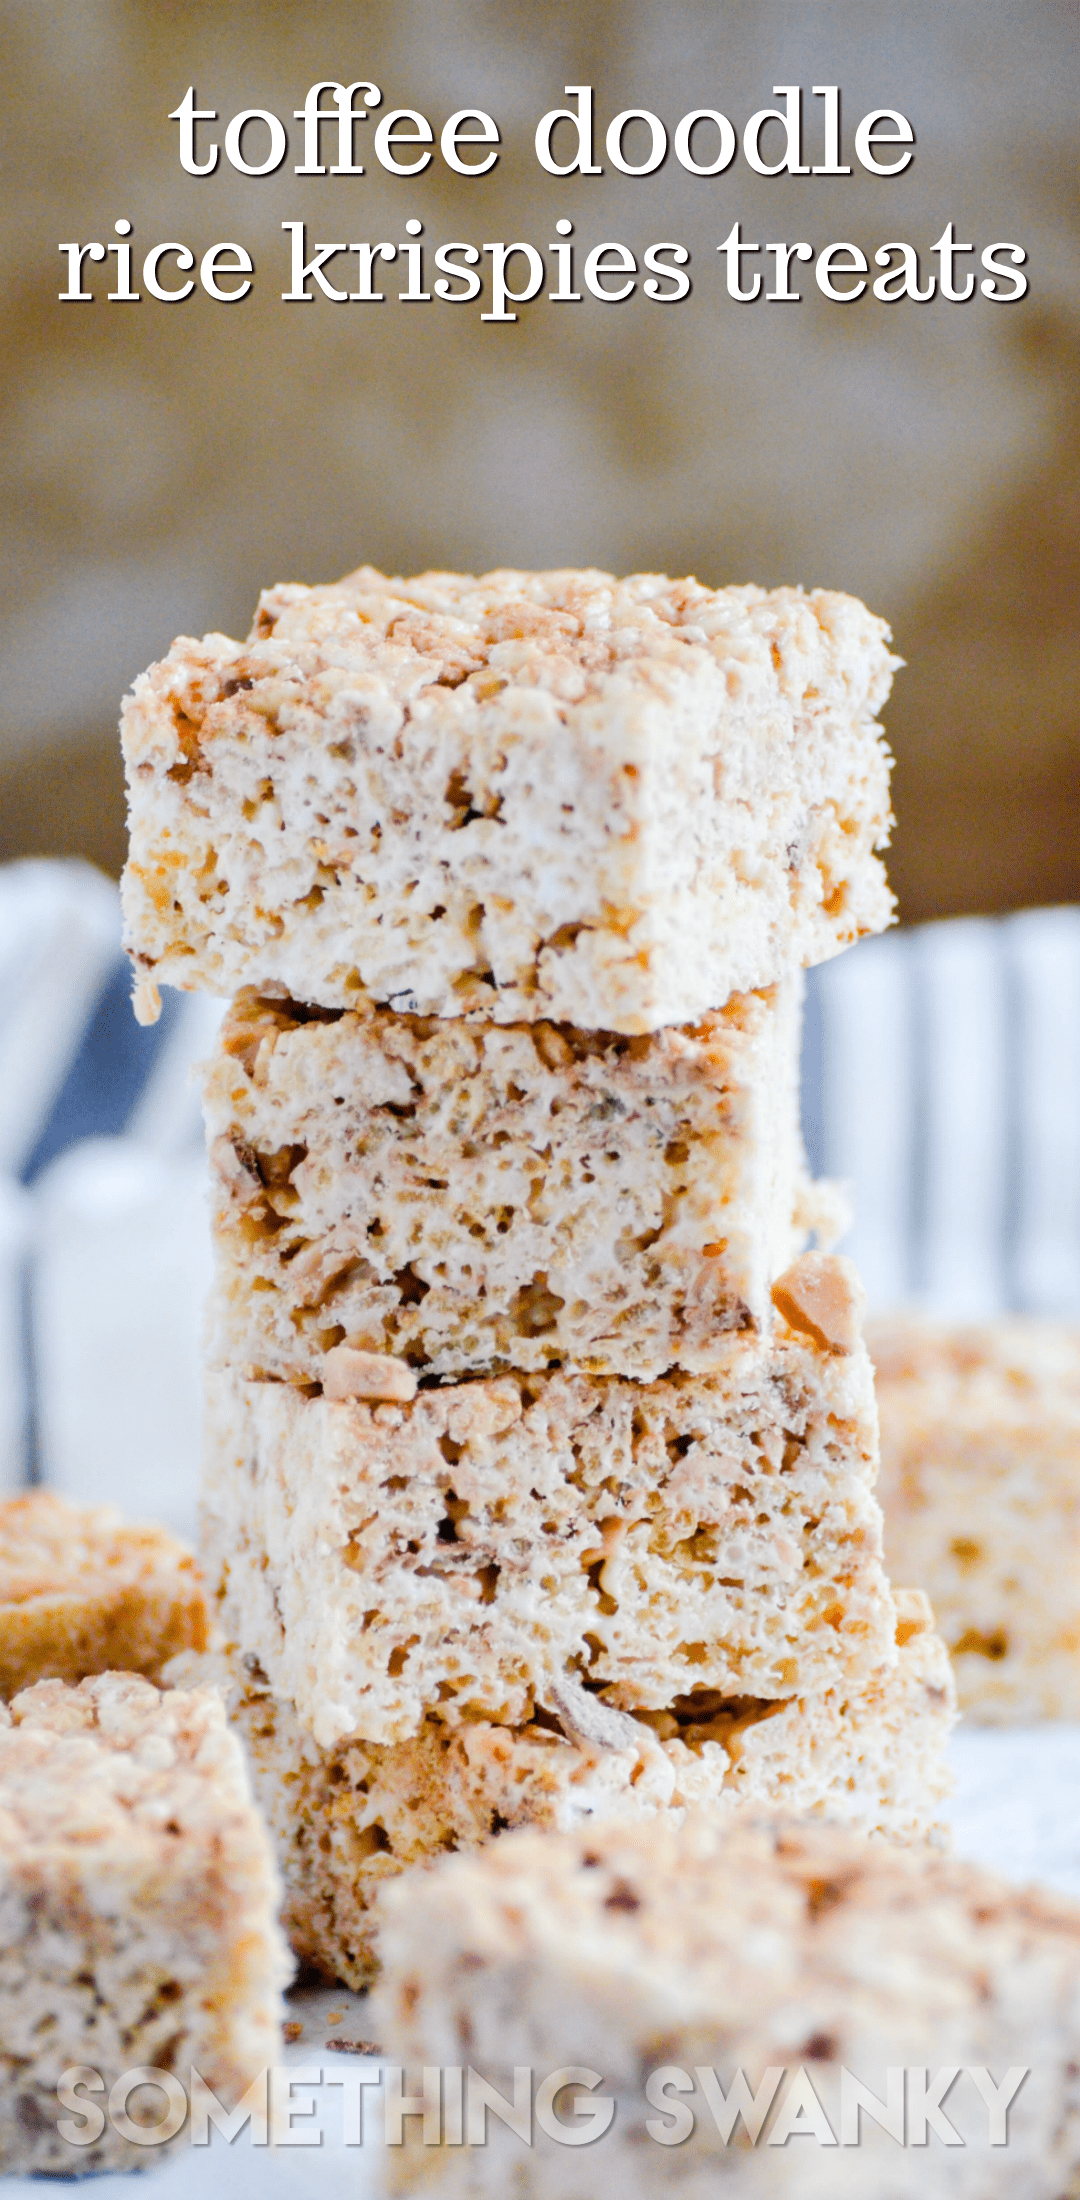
(378, 1376)
(821, 1296)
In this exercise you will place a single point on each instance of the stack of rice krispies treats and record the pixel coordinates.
(540, 1455)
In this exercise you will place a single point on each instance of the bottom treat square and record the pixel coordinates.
(348, 1818)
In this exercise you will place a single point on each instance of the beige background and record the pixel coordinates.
(160, 464)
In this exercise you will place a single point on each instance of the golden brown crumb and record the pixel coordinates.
(821, 1296)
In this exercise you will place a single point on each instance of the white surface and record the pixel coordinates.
(961, 994)
(867, 1105)
(1044, 953)
(15, 1220)
(1017, 1802)
(59, 938)
(120, 1280)
(168, 1114)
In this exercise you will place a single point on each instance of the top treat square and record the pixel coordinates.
(530, 795)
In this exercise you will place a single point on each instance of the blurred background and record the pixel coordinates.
(160, 465)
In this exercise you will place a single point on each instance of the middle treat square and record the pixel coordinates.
(466, 1196)
(482, 1548)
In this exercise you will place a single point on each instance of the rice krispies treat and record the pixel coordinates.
(528, 795)
(742, 1945)
(347, 1819)
(464, 1196)
(470, 1549)
(83, 1590)
(980, 1486)
(139, 1905)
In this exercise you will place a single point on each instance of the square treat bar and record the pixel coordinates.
(980, 1486)
(139, 1902)
(530, 796)
(472, 1548)
(463, 1196)
(787, 1952)
(83, 1590)
(347, 1819)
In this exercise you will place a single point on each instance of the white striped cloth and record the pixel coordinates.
(941, 1079)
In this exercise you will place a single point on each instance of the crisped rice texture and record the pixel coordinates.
(467, 1196)
(83, 1590)
(139, 1901)
(780, 1950)
(470, 1549)
(347, 1819)
(526, 796)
